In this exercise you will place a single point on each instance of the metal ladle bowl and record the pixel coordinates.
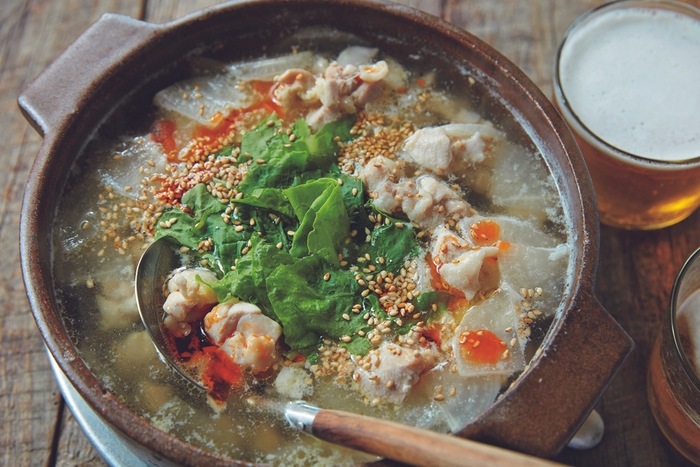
(157, 262)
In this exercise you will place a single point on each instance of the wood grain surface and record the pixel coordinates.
(635, 274)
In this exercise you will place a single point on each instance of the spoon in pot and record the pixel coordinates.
(407, 444)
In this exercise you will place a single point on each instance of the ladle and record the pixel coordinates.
(414, 446)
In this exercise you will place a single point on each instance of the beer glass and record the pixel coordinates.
(673, 385)
(625, 81)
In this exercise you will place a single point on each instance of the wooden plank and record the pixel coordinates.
(162, 11)
(73, 447)
(31, 36)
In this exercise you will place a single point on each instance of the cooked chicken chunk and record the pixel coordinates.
(425, 200)
(393, 371)
(292, 88)
(244, 333)
(343, 89)
(117, 305)
(433, 203)
(457, 263)
(381, 176)
(443, 149)
(189, 299)
(221, 322)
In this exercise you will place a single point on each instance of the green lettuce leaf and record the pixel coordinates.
(395, 245)
(271, 199)
(324, 223)
(248, 281)
(256, 142)
(285, 159)
(311, 308)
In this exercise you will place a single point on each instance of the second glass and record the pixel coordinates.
(673, 384)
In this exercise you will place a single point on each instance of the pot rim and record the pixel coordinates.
(37, 274)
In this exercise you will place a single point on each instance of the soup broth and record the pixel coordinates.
(421, 247)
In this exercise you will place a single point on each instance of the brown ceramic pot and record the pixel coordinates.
(119, 59)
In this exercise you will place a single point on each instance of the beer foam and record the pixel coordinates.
(631, 77)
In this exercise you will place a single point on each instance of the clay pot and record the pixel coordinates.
(119, 62)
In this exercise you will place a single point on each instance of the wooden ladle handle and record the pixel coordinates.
(414, 446)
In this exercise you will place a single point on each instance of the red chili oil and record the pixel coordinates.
(220, 374)
(485, 232)
(162, 132)
(481, 346)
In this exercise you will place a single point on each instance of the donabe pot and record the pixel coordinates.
(119, 62)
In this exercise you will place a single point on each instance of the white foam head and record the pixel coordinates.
(632, 76)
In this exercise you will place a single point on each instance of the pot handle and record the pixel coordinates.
(55, 96)
(541, 413)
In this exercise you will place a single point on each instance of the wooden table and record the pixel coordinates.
(635, 275)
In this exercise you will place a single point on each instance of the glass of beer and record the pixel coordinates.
(626, 82)
(673, 383)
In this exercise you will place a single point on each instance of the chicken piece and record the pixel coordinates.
(245, 334)
(429, 148)
(221, 322)
(343, 89)
(433, 202)
(365, 93)
(292, 89)
(321, 116)
(394, 371)
(135, 355)
(117, 305)
(426, 201)
(457, 263)
(189, 299)
(380, 176)
(444, 149)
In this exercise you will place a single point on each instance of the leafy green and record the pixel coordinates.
(425, 301)
(354, 201)
(206, 222)
(311, 308)
(393, 244)
(271, 199)
(256, 142)
(285, 159)
(228, 243)
(248, 281)
(226, 151)
(324, 223)
(322, 144)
